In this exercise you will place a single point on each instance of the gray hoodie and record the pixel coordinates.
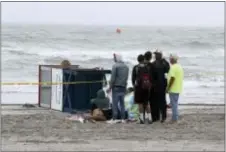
(120, 73)
(101, 101)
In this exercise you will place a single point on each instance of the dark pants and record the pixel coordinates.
(154, 109)
(154, 106)
(158, 105)
(162, 105)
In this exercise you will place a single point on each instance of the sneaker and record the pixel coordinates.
(118, 121)
(173, 121)
(123, 121)
(141, 121)
(82, 120)
(149, 121)
(163, 120)
(113, 121)
(155, 120)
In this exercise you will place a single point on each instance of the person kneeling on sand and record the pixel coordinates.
(100, 110)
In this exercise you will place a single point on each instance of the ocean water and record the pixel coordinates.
(201, 52)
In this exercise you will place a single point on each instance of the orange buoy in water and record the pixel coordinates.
(118, 30)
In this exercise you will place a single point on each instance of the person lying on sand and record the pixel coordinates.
(100, 110)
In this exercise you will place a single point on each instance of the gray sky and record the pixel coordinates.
(116, 13)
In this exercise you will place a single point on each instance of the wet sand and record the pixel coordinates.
(27, 129)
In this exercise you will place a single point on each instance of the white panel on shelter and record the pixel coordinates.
(57, 90)
(45, 90)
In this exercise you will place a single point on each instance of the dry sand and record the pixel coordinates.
(201, 128)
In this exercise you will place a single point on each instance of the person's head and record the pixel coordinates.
(65, 63)
(117, 58)
(140, 58)
(158, 55)
(101, 100)
(147, 56)
(101, 94)
(173, 58)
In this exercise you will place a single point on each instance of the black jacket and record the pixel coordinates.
(160, 68)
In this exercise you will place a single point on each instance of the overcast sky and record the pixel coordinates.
(115, 13)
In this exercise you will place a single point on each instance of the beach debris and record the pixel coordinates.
(118, 31)
(26, 105)
(76, 118)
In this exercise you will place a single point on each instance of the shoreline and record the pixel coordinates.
(40, 129)
(181, 104)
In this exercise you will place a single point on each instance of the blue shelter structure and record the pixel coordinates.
(71, 89)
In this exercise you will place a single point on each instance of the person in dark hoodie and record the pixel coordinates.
(100, 107)
(158, 103)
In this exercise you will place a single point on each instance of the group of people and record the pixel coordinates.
(151, 82)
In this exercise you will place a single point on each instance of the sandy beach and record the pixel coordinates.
(201, 128)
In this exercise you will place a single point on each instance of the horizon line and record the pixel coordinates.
(80, 24)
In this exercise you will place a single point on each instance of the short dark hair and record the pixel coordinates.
(140, 58)
(148, 55)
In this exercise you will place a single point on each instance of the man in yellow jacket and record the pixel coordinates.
(175, 85)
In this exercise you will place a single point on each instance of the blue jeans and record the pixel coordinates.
(174, 105)
(118, 94)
